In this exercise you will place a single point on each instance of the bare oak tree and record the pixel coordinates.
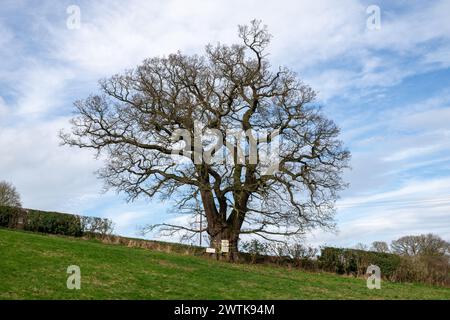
(8, 195)
(380, 246)
(133, 120)
(421, 245)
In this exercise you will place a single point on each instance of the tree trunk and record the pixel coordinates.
(219, 228)
(233, 240)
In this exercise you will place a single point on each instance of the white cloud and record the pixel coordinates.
(419, 206)
(3, 108)
(412, 153)
(387, 223)
(111, 38)
(441, 56)
(47, 175)
(41, 89)
(6, 41)
(413, 190)
(126, 218)
(408, 32)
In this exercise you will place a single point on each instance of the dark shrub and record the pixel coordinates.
(53, 222)
(9, 216)
(352, 261)
(428, 269)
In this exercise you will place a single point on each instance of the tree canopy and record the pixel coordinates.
(9, 196)
(421, 245)
(140, 116)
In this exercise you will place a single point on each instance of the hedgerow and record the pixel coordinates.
(353, 261)
(53, 222)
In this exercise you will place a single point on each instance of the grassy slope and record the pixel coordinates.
(33, 266)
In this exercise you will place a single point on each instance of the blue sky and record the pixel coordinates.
(388, 89)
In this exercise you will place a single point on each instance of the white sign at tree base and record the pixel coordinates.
(225, 246)
(210, 250)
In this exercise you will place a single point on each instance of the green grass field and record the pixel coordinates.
(33, 266)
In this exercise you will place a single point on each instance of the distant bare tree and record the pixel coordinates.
(134, 119)
(427, 245)
(361, 246)
(380, 246)
(407, 246)
(433, 245)
(9, 195)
